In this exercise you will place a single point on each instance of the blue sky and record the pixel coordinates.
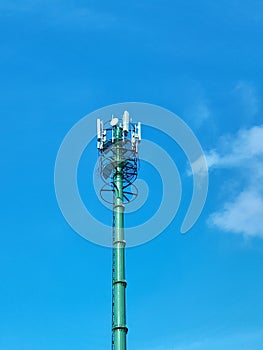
(60, 60)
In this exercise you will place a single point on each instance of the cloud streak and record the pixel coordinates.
(243, 213)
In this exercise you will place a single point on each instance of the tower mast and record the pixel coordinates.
(118, 148)
(119, 327)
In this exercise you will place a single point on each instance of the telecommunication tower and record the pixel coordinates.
(117, 142)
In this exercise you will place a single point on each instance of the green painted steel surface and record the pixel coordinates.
(119, 327)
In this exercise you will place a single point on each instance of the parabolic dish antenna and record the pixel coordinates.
(114, 121)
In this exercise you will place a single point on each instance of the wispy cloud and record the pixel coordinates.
(202, 112)
(243, 149)
(197, 109)
(242, 213)
(247, 96)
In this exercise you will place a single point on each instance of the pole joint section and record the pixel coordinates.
(125, 328)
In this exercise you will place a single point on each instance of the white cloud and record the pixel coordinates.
(245, 146)
(198, 167)
(242, 215)
(244, 212)
(242, 150)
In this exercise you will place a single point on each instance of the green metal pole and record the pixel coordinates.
(119, 327)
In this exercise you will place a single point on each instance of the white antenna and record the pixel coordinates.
(126, 121)
(139, 129)
(99, 129)
(114, 121)
(101, 134)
